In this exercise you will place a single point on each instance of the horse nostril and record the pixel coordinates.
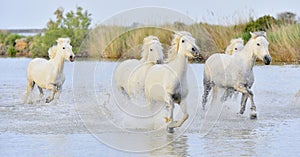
(193, 49)
(72, 57)
(267, 60)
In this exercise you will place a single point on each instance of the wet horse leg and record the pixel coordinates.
(247, 93)
(243, 103)
(54, 90)
(185, 114)
(253, 114)
(171, 125)
(41, 91)
(206, 91)
(30, 85)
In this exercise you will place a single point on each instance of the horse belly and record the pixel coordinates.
(38, 71)
(123, 71)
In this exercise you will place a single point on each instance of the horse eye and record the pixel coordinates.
(258, 44)
(63, 47)
(150, 49)
(235, 48)
(182, 41)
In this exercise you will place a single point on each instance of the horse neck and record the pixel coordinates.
(59, 61)
(247, 55)
(179, 64)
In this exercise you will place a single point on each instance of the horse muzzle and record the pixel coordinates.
(267, 59)
(196, 52)
(159, 61)
(72, 58)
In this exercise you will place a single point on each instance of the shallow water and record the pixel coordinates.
(87, 105)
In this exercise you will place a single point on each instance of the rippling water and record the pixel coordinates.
(63, 127)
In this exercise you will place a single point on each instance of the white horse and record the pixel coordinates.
(236, 71)
(48, 74)
(167, 83)
(136, 81)
(52, 53)
(234, 46)
(151, 54)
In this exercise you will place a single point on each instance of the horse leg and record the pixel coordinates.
(207, 88)
(59, 89)
(247, 93)
(30, 85)
(171, 125)
(253, 114)
(41, 91)
(54, 90)
(243, 103)
(185, 114)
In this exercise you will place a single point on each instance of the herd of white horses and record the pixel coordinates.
(232, 71)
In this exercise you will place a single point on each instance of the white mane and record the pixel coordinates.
(172, 53)
(235, 45)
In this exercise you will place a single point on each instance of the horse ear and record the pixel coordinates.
(68, 40)
(265, 34)
(253, 35)
(59, 40)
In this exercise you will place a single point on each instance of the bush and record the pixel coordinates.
(261, 24)
(74, 25)
(11, 39)
(11, 51)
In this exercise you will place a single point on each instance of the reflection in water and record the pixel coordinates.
(178, 147)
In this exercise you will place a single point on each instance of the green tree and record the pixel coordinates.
(261, 24)
(74, 25)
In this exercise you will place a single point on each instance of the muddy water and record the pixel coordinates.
(58, 128)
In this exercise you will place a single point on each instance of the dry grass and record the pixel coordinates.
(123, 42)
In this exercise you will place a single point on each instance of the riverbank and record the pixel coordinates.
(115, 42)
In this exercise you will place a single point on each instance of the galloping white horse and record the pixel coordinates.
(136, 81)
(151, 54)
(48, 74)
(171, 79)
(234, 46)
(236, 71)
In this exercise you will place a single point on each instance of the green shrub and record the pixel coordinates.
(11, 39)
(11, 51)
(261, 24)
(74, 25)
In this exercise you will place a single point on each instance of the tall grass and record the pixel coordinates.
(285, 43)
(125, 42)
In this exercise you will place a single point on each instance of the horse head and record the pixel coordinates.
(235, 46)
(260, 46)
(183, 43)
(65, 49)
(152, 50)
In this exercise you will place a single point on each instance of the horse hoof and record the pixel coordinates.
(170, 130)
(47, 100)
(253, 115)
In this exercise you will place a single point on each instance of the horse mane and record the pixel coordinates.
(230, 47)
(257, 34)
(146, 43)
(172, 53)
(52, 51)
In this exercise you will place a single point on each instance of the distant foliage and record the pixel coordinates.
(287, 17)
(74, 25)
(11, 51)
(261, 24)
(11, 39)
